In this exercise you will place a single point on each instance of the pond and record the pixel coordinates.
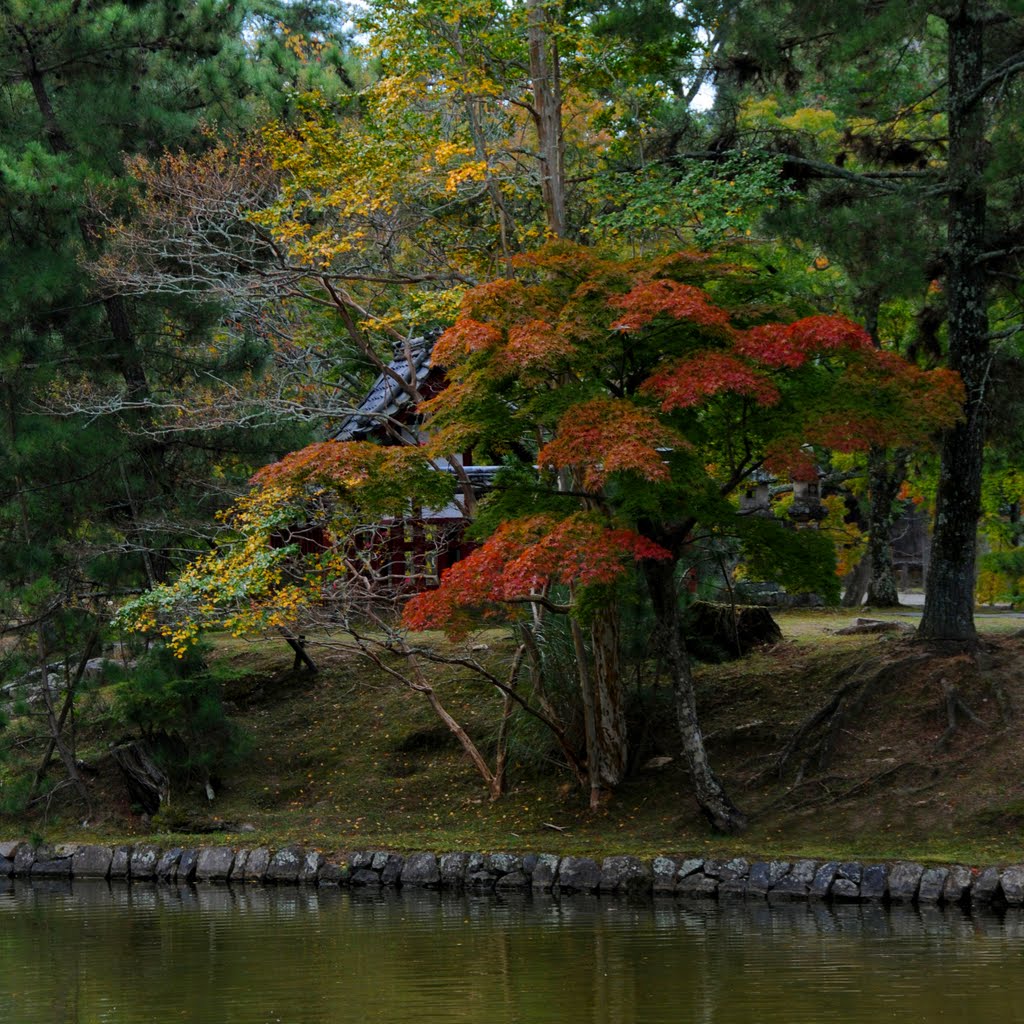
(124, 954)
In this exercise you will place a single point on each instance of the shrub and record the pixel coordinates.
(176, 703)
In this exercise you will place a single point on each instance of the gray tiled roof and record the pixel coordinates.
(386, 398)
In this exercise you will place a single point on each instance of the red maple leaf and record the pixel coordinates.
(791, 345)
(520, 561)
(644, 301)
(687, 383)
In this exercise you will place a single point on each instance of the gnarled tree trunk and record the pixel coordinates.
(711, 795)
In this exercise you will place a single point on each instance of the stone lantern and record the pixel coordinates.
(756, 498)
(807, 509)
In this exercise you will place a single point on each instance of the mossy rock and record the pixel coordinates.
(723, 632)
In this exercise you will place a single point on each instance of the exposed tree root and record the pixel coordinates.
(955, 706)
(805, 759)
(815, 738)
(1003, 702)
(939, 647)
(862, 625)
(832, 789)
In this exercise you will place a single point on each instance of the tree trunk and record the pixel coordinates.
(589, 714)
(420, 684)
(547, 114)
(147, 784)
(949, 593)
(56, 724)
(711, 796)
(612, 738)
(886, 474)
(506, 223)
(857, 583)
(507, 707)
(297, 644)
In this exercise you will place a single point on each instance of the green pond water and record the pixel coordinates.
(94, 953)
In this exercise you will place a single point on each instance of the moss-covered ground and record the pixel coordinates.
(349, 759)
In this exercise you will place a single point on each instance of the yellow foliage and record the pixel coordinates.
(476, 171)
(757, 111)
(812, 120)
(850, 542)
(446, 152)
(991, 586)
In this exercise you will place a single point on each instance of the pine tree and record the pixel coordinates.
(87, 499)
(897, 121)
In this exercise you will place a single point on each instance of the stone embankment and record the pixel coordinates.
(691, 877)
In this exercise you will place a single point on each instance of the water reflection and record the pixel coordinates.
(144, 953)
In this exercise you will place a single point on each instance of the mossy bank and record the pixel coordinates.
(347, 760)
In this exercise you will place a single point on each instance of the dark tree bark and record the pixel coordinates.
(886, 473)
(147, 783)
(302, 657)
(949, 592)
(711, 796)
(721, 632)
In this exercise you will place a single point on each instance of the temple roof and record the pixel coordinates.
(386, 398)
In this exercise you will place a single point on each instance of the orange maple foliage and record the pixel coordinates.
(521, 561)
(463, 339)
(882, 400)
(791, 345)
(610, 435)
(655, 346)
(334, 462)
(378, 480)
(536, 345)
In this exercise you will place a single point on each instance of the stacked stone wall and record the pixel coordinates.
(682, 877)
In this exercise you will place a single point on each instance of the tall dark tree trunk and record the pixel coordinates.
(949, 593)
(886, 473)
(711, 796)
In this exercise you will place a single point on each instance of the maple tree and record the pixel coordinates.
(646, 402)
(306, 551)
(652, 403)
(259, 578)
